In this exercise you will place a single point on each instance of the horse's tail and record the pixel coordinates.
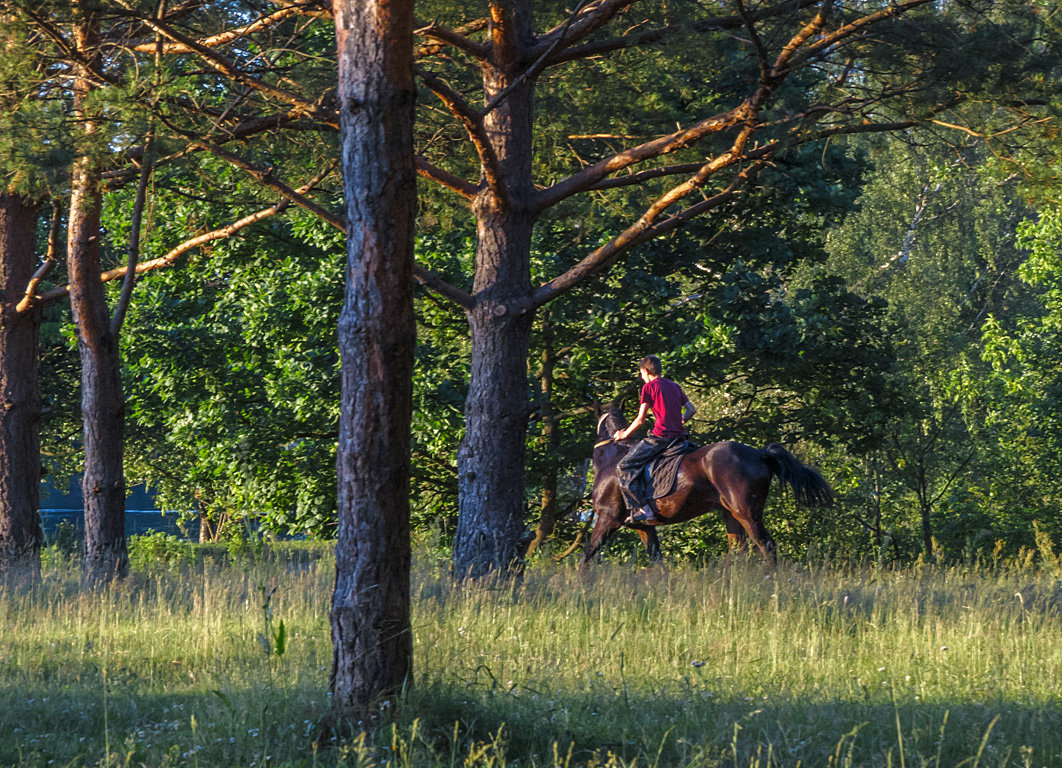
(808, 486)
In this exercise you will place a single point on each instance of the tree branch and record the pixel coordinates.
(223, 38)
(218, 234)
(648, 227)
(451, 181)
(473, 124)
(227, 67)
(778, 71)
(134, 245)
(651, 36)
(827, 41)
(592, 175)
(268, 180)
(456, 38)
(30, 298)
(583, 22)
(172, 256)
(757, 43)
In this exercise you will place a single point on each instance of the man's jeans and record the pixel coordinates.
(633, 463)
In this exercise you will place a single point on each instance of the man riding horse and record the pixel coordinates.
(726, 476)
(671, 410)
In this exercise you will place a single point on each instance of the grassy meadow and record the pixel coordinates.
(226, 663)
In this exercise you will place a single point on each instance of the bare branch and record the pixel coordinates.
(757, 43)
(650, 226)
(218, 234)
(455, 183)
(473, 124)
(831, 39)
(180, 250)
(584, 22)
(650, 36)
(592, 175)
(223, 38)
(433, 282)
(812, 27)
(147, 166)
(641, 177)
(267, 179)
(134, 245)
(245, 129)
(456, 38)
(227, 67)
(30, 298)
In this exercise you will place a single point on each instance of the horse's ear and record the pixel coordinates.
(596, 405)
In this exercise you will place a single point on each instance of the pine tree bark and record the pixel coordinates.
(370, 605)
(102, 401)
(20, 403)
(492, 534)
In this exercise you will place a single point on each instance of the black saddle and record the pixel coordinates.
(658, 477)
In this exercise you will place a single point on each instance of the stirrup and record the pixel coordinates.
(643, 515)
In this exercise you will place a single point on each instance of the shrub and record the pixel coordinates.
(156, 549)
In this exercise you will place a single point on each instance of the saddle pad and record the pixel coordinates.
(659, 476)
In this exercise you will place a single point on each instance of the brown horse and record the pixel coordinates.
(727, 476)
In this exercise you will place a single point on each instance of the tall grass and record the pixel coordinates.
(809, 666)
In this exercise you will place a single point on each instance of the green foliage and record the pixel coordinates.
(156, 550)
(859, 304)
(936, 240)
(232, 375)
(62, 548)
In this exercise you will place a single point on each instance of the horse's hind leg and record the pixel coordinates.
(737, 539)
(748, 511)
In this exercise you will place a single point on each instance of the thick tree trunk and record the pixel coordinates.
(491, 535)
(102, 401)
(20, 404)
(371, 631)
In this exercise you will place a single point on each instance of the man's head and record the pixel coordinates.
(650, 364)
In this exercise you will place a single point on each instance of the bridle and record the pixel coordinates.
(600, 421)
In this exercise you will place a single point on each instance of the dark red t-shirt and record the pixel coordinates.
(666, 398)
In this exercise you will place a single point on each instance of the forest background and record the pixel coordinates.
(884, 299)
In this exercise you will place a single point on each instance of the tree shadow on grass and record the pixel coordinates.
(680, 731)
(437, 725)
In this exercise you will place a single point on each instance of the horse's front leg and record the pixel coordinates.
(651, 542)
(605, 524)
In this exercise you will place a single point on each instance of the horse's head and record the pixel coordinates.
(611, 419)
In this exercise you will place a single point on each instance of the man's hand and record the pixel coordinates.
(618, 435)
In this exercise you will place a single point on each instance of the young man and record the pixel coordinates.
(671, 410)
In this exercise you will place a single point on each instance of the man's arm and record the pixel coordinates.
(688, 411)
(621, 434)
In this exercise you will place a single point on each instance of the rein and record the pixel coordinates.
(601, 421)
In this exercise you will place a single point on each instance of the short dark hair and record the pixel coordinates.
(650, 363)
